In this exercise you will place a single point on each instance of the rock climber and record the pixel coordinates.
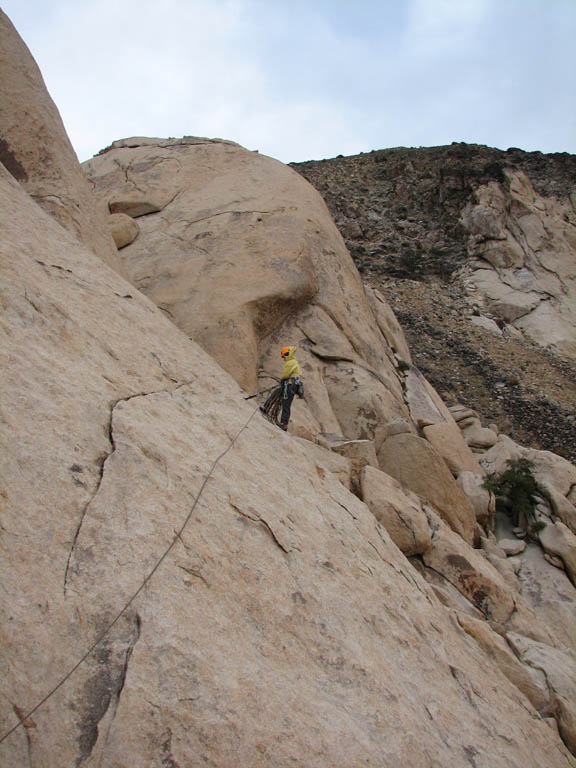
(291, 383)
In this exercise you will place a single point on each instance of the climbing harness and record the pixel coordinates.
(298, 387)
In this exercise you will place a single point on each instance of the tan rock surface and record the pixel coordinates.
(447, 439)
(359, 452)
(228, 215)
(361, 402)
(504, 567)
(550, 593)
(482, 501)
(478, 437)
(529, 680)
(425, 404)
(560, 671)
(328, 462)
(529, 241)
(282, 626)
(37, 152)
(197, 257)
(466, 570)
(397, 427)
(557, 539)
(561, 507)
(419, 468)
(399, 511)
(123, 229)
(388, 324)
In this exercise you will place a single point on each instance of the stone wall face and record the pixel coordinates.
(185, 584)
(241, 253)
(35, 149)
(282, 626)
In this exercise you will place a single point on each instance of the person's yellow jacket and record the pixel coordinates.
(292, 368)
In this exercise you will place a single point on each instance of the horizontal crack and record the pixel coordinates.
(224, 213)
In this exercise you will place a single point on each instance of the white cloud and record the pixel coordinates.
(444, 26)
(301, 80)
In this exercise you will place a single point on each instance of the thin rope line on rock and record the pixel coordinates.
(129, 602)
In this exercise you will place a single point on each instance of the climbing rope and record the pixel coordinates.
(23, 718)
(273, 405)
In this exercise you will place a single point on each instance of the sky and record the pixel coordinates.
(309, 79)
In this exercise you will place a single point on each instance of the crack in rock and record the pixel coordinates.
(102, 470)
(257, 519)
(54, 266)
(102, 691)
(240, 213)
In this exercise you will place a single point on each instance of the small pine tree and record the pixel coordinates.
(518, 486)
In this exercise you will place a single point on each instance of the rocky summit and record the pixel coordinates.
(390, 582)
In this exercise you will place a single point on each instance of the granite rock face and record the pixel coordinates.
(523, 269)
(35, 149)
(185, 584)
(261, 621)
(417, 466)
(241, 253)
(399, 511)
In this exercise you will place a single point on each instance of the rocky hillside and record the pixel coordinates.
(185, 584)
(399, 210)
(475, 250)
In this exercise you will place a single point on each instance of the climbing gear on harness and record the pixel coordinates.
(299, 387)
(294, 385)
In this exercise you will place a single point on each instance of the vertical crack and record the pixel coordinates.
(102, 691)
(103, 461)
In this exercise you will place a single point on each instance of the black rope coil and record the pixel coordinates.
(272, 408)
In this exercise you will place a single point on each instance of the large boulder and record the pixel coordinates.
(35, 149)
(448, 441)
(531, 681)
(399, 511)
(242, 255)
(479, 438)
(550, 593)
(557, 539)
(482, 501)
(419, 468)
(426, 406)
(123, 229)
(360, 401)
(388, 324)
(179, 574)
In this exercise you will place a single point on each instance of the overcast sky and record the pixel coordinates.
(309, 79)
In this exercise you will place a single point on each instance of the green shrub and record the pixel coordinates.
(403, 366)
(517, 485)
